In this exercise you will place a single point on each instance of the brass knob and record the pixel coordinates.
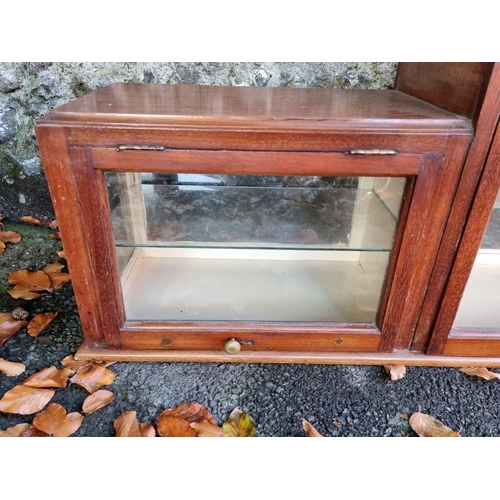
(232, 346)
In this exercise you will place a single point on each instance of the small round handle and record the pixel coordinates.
(232, 346)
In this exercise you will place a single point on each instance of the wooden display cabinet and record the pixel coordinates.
(253, 224)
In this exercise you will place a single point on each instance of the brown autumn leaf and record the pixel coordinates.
(77, 365)
(93, 376)
(310, 430)
(32, 431)
(206, 429)
(397, 372)
(15, 431)
(57, 280)
(41, 321)
(2, 247)
(56, 422)
(126, 425)
(50, 377)
(239, 424)
(61, 254)
(10, 368)
(30, 281)
(480, 372)
(427, 426)
(25, 400)
(10, 237)
(55, 236)
(54, 267)
(9, 326)
(30, 220)
(16, 293)
(53, 224)
(97, 400)
(174, 422)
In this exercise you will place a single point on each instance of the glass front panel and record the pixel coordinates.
(479, 307)
(252, 248)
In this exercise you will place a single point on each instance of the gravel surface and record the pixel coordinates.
(338, 400)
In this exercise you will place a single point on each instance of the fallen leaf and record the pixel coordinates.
(41, 321)
(55, 236)
(481, 372)
(50, 377)
(56, 422)
(16, 293)
(427, 426)
(175, 422)
(61, 254)
(32, 431)
(310, 430)
(97, 400)
(2, 247)
(30, 281)
(57, 280)
(30, 220)
(6, 317)
(54, 267)
(126, 425)
(10, 237)
(239, 424)
(53, 224)
(206, 429)
(10, 368)
(92, 377)
(15, 431)
(9, 327)
(397, 372)
(25, 400)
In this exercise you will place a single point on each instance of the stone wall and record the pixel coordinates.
(29, 90)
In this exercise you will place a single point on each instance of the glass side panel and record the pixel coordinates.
(252, 248)
(479, 307)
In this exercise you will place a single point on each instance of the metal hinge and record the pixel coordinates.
(126, 147)
(372, 152)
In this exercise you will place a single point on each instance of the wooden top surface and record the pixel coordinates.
(274, 108)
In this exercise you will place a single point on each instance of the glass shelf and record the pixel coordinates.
(252, 248)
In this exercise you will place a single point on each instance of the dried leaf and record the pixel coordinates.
(147, 430)
(56, 422)
(61, 254)
(2, 247)
(174, 427)
(239, 424)
(206, 429)
(397, 372)
(9, 327)
(481, 372)
(54, 267)
(6, 317)
(97, 400)
(25, 400)
(10, 368)
(30, 220)
(53, 224)
(174, 422)
(16, 293)
(15, 431)
(310, 430)
(427, 426)
(50, 377)
(55, 236)
(57, 280)
(126, 425)
(32, 431)
(31, 281)
(41, 321)
(10, 237)
(92, 377)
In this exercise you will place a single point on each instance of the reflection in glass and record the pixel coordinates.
(252, 248)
